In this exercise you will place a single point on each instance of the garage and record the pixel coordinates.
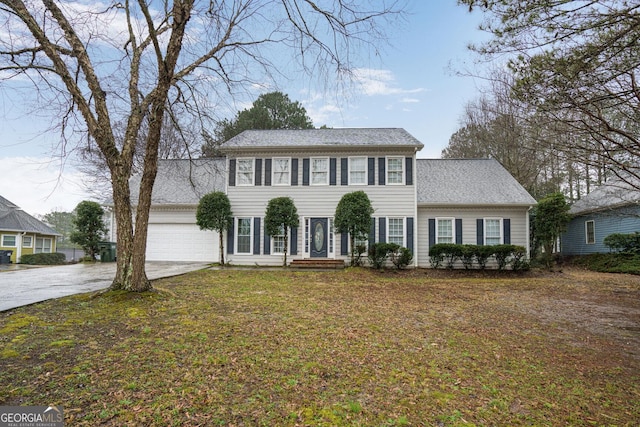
(181, 242)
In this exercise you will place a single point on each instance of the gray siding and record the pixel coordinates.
(623, 220)
(469, 216)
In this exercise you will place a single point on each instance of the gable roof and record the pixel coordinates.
(183, 181)
(468, 182)
(13, 218)
(614, 194)
(337, 138)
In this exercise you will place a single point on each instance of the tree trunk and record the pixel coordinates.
(221, 246)
(286, 245)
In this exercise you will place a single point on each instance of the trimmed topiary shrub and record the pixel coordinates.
(483, 253)
(56, 258)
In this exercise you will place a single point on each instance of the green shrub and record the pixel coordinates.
(468, 254)
(628, 263)
(398, 255)
(401, 257)
(483, 253)
(627, 243)
(502, 254)
(518, 261)
(43, 259)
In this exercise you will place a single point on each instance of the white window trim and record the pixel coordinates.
(453, 227)
(236, 235)
(15, 236)
(30, 245)
(253, 171)
(35, 249)
(366, 171)
(586, 232)
(484, 231)
(404, 229)
(273, 171)
(402, 172)
(311, 170)
(331, 239)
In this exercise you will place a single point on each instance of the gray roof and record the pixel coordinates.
(183, 182)
(468, 182)
(331, 138)
(12, 218)
(613, 194)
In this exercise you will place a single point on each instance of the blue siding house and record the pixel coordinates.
(611, 208)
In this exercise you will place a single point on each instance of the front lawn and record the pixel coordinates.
(353, 347)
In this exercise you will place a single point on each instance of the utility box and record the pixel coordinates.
(5, 257)
(107, 251)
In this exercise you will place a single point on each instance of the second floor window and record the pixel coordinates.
(281, 171)
(319, 171)
(245, 172)
(395, 171)
(357, 170)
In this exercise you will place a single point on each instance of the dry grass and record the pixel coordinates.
(353, 347)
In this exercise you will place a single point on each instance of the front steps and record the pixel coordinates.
(319, 263)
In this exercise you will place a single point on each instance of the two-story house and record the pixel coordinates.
(416, 202)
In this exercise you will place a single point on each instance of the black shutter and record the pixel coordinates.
(410, 234)
(371, 170)
(256, 236)
(305, 171)
(432, 232)
(267, 171)
(344, 243)
(294, 171)
(344, 171)
(382, 230)
(506, 228)
(293, 245)
(267, 242)
(232, 172)
(332, 171)
(258, 177)
(382, 167)
(458, 231)
(230, 237)
(479, 231)
(372, 232)
(409, 171)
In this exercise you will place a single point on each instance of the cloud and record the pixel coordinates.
(38, 185)
(373, 82)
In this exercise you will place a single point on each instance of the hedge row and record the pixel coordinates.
(625, 243)
(399, 256)
(56, 258)
(448, 254)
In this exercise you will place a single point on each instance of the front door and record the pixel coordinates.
(319, 237)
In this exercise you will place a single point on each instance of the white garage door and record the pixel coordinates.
(181, 242)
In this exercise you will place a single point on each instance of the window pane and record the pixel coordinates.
(492, 231)
(396, 231)
(445, 231)
(319, 171)
(281, 172)
(8, 240)
(245, 171)
(357, 170)
(394, 170)
(244, 235)
(27, 241)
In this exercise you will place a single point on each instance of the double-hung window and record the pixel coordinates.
(590, 232)
(492, 231)
(243, 245)
(9, 240)
(445, 232)
(319, 171)
(43, 245)
(244, 174)
(27, 241)
(395, 170)
(281, 171)
(278, 242)
(357, 170)
(395, 232)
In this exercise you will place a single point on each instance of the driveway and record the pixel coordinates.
(20, 286)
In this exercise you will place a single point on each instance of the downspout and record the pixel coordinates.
(416, 223)
(528, 234)
(19, 246)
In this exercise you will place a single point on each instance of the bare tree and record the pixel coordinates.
(129, 62)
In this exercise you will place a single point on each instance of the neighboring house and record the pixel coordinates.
(416, 202)
(23, 234)
(613, 207)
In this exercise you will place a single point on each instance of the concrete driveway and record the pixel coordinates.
(22, 286)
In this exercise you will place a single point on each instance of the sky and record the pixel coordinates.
(411, 84)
